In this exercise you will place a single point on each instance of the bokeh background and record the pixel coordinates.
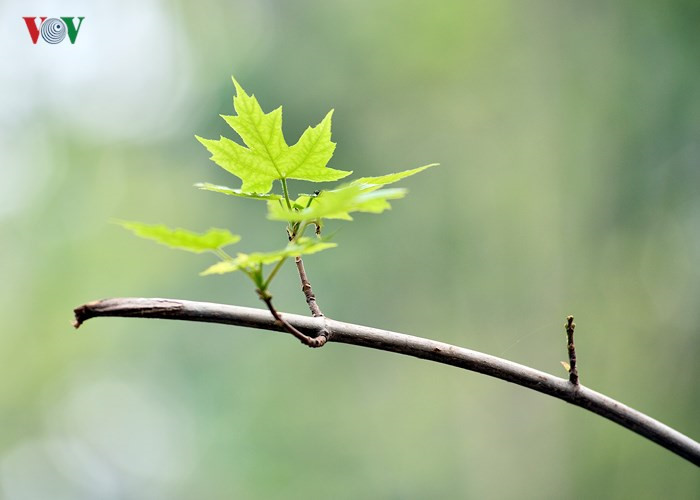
(569, 184)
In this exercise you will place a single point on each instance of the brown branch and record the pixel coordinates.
(306, 288)
(573, 371)
(305, 284)
(374, 338)
(317, 341)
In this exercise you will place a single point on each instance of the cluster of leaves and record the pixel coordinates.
(265, 158)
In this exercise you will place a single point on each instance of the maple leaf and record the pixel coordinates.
(267, 156)
(206, 186)
(383, 180)
(360, 195)
(210, 241)
(251, 262)
(336, 204)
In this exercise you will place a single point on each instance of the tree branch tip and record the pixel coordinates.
(573, 370)
(81, 313)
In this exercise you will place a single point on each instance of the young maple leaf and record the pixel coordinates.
(361, 195)
(249, 262)
(267, 156)
(210, 241)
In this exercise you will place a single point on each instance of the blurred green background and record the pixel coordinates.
(568, 135)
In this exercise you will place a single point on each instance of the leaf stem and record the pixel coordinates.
(300, 232)
(222, 254)
(311, 198)
(286, 192)
(272, 274)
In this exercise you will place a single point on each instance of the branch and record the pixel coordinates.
(318, 341)
(305, 284)
(374, 338)
(306, 288)
(573, 371)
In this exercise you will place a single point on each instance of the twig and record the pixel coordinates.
(317, 341)
(400, 343)
(573, 371)
(306, 288)
(305, 284)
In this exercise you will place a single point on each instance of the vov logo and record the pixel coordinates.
(54, 29)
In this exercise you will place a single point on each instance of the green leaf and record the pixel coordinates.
(251, 262)
(337, 204)
(267, 156)
(212, 240)
(383, 180)
(361, 195)
(236, 192)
